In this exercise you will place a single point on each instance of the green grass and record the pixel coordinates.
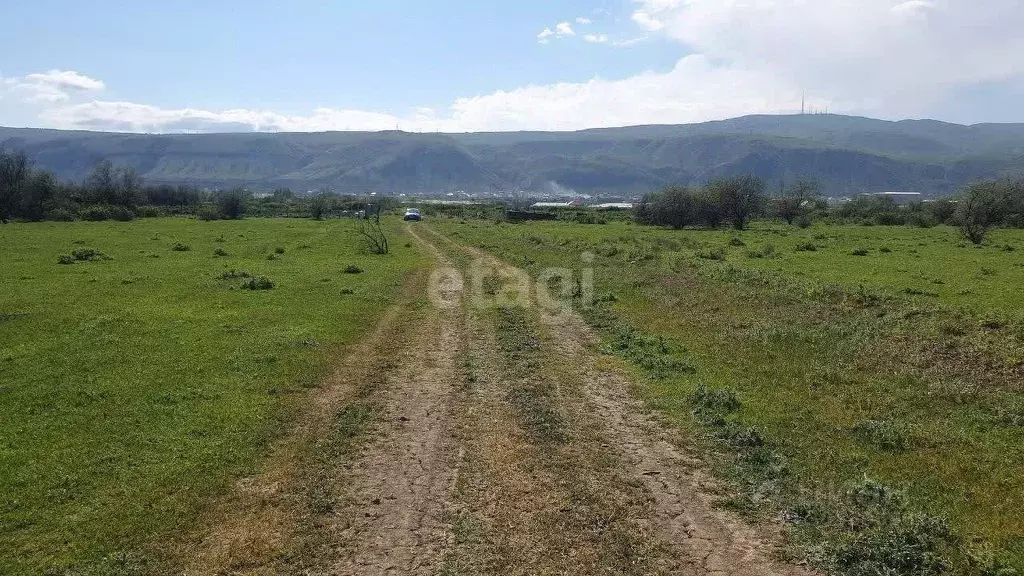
(934, 263)
(135, 385)
(838, 371)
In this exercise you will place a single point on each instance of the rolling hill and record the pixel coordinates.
(847, 154)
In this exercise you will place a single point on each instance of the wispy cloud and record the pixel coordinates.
(596, 38)
(53, 86)
(630, 41)
(583, 21)
(545, 36)
(564, 29)
(647, 22)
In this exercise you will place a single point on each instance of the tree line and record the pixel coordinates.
(738, 200)
(111, 192)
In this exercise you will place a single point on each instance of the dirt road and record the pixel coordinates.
(471, 439)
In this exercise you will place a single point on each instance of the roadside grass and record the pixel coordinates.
(139, 379)
(835, 379)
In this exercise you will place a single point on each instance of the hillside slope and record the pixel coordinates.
(848, 154)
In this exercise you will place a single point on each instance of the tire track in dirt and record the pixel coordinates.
(360, 484)
(403, 480)
(703, 539)
(262, 522)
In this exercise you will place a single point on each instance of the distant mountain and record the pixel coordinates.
(847, 154)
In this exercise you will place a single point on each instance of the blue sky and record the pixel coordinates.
(471, 65)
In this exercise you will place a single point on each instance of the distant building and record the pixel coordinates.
(570, 204)
(614, 206)
(900, 197)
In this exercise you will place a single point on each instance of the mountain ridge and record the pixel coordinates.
(848, 154)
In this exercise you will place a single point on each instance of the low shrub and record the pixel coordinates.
(66, 260)
(714, 402)
(660, 357)
(765, 252)
(121, 214)
(347, 291)
(806, 247)
(88, 255)
(353, 269)
(95, 213)
(220, 252)
(179, 247)
(876, 533)
(261, 283)
(279, 250)
(60, 215)
(208, 212)
(715, 254)
(148, 212)
(859, 252)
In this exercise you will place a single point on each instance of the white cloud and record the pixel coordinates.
(52, 86)
(133, 117)
(902, 55)
(694, 90)
(647, 22)
(630, 41)
(545, 36)
(583, 21)
(888, 58)
(564, 29)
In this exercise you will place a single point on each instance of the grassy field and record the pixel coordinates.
(138, 376)
(862, 383)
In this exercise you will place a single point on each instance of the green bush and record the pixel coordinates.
(220, 252)
(353, 269)
(806, 247)
(60, 215)
(715, 254)
(208, 212)
(261, 283)
(96, 213)
(88, 254)
(179, 247)
(859, 252)
(66, 260)
(121, 214)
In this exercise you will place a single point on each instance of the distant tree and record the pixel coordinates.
(981, 208)
(129, 187)
(740, 198)
(708, 207)
(39, 191)
(674, 206)
(942, 210)
(102, 183)
(318, 206)
(231, 203)
(15, 169)
(795, 201)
